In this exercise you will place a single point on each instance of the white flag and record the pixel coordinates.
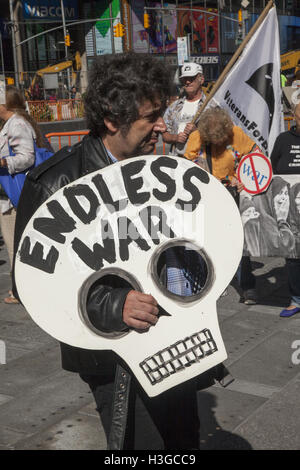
(251, 91)
(2, 91)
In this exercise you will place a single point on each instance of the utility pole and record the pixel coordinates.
(111, 28)
(2, 58)
(11, 8)
(66, 47)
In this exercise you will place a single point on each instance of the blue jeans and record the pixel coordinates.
(293, 271)
(244, 274)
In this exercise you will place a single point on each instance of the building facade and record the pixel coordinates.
(211, 28)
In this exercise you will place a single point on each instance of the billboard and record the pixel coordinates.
(163, 30)
(49, 10)
(99, 35)
(139, 34)
(161, 37)
(203, 27)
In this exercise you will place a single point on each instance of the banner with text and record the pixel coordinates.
(271, 220)
(251, 91)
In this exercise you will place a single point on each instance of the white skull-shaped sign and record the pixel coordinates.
(118, 221)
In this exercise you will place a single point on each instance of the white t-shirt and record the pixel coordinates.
(188, 111)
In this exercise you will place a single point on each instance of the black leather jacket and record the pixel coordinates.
(105, 302)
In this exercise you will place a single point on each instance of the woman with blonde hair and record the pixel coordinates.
(218, 141)
(18, 134)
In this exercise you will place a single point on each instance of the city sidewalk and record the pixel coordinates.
(43, 407)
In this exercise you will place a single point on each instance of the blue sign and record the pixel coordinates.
(50, 9)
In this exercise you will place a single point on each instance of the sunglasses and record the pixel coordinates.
(190, 79)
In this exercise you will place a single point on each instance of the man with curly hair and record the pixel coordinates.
(124, 103)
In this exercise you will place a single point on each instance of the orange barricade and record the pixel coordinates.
(59, 135)
(288, 119)
(79, 134)
(56, 110)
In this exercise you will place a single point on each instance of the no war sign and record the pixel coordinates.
(255, 172)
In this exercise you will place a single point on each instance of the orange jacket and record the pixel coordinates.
(224, 165)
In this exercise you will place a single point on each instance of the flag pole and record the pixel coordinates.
(234, 58)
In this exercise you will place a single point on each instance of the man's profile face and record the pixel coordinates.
(142, 135)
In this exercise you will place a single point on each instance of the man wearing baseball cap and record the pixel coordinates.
(179, 114)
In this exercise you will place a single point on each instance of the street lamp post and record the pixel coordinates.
(66, 47)
(2, 58)
(14, 43)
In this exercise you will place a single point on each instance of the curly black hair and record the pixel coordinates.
(118, 84)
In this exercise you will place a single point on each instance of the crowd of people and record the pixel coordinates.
(126, 106)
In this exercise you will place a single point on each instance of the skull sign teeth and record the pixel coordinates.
(120, 221)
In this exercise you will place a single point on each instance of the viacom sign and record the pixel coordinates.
(50, 9)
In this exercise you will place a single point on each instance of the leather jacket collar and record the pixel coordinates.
(92, 147)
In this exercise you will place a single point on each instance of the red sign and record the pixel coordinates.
(255, 172)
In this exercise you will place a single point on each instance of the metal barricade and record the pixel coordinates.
(289, 120)
(59, 135)
(70, 135)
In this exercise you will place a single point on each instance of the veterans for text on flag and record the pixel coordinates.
(251, 91)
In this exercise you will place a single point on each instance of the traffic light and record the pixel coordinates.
(119, 30)
(67, 40)
(146, 20)
(240, 16)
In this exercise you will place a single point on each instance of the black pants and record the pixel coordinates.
(245, 277)
(168, 421)
(293, 270)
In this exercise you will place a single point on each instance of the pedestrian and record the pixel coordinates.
(74, 94)
(52, 96)
(218, 145)
(124, 104)
(283, 79)
(180, 113)
(284, 159)
(18, 134)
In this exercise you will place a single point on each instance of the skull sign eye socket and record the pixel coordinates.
(112, 277)
(181, 270)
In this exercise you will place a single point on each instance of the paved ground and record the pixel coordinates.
(43, 407)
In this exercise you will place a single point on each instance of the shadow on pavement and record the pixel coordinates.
(272, 287)
(212, 436)
(256, 265)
